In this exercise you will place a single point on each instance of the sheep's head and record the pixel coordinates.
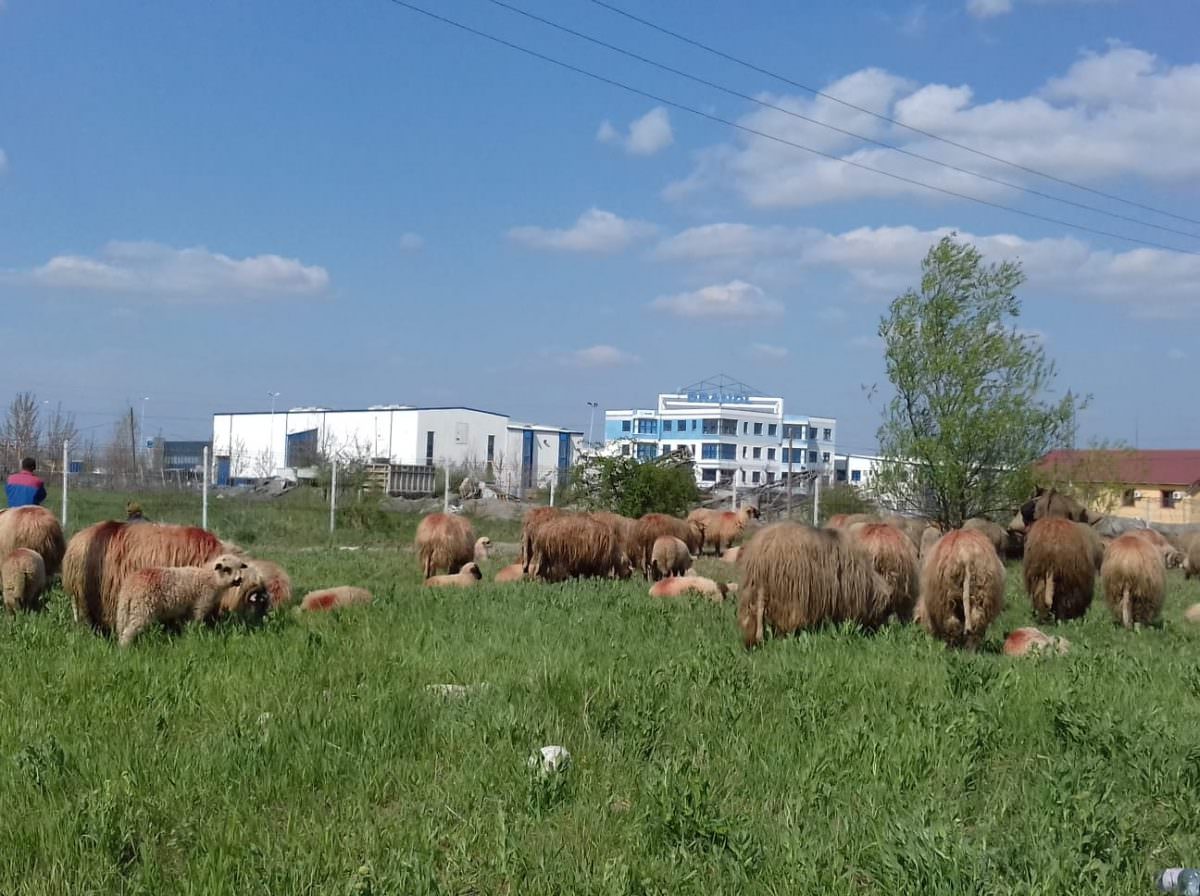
(481, 548)
(472, 570)
(752, 512)
(248, 596)
(230, 569)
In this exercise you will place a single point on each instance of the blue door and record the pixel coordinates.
(527, 454)
(222, 471)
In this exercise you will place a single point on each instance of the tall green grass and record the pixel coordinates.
(308, 756)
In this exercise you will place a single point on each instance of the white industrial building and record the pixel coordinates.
(520, 455)
(734, 434)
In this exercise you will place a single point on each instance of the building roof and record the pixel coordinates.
(1129, 467)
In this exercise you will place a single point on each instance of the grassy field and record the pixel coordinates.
(308, 756)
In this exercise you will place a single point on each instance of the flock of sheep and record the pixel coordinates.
(123, 577)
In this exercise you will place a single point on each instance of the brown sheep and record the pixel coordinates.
(23, 574)
(335, 598)
(180, 594)
(929, 537)
(1051, 504)
(511, 573)
(910, 525)
(722, 529)
(962, 588)
(650, 527)
(1059, 573)
(570, 545)
(620, 526)
(800, 578)
(444, 542)
(1135, 580)
(1032, 642)
(733, 555)
(532, 520)
(99, 558)
(464, 578)
(691, 584)
(1169, 554)
(1095, 543)
(895, 559)
(670, 557)
(35, 528)
(278, 582)
(993, 532)
(1191, 555)
(837, 521)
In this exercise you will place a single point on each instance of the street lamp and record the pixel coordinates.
(592, 423)
(272, 396)
(142, 425)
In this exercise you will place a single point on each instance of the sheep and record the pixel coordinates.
(464, 578)
(529, 525)
(994, 532)
(335, 598)
(512, 573)
(620, 526)
(837, 521)
(648, 529)
(895, 559)
(677, 586)
(721, 530)
(98, 559)
(670, 557)
(570, 545)
(278, 582)
(1095, 544)
(1135, 580)
(929, 537)
(444, 542)
(910, 525)
(1170, 555)
(1192, 613)
(483, 546)
(846, 520)
(1191, 556)
(800, 578)
(1051, 504)
(1033, 642)
(180, 594)
(23, 574)
(733, 555)
(35, 528)
(962, 588)
(1059, 572)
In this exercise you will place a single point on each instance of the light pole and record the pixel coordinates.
(592, 423)
(142, 424)
(272, 396)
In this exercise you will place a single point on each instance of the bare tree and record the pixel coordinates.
(59, 427)
(22, 430)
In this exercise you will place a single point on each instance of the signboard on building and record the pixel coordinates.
(717, 398)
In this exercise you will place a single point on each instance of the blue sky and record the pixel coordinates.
(351, 204)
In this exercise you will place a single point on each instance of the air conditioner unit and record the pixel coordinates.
(1177, 496)
(1137, 495)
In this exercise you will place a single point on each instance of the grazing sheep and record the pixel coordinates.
(620, 526)
(278, 582)
(1095, 543)
(962, 588)
(464, 578)
(182, 594)
(733, 555)
(334, 598)
(1059, 570)
(529, 525)
(1033, 642)
(1170, 555)
(1191, 555)
(35, 528)
(1192, 613)
(1051, 504)
(837, 521)
(799, 578)
(1135, 580)
(444, 542)
(23, 573)
(681, 585)
(650, 527)
(910, 525)
(721, 530)
(670, 557)
(483, 547)
(99, 558)
(993, 532)
(929, 537)
(512, 573)
(895, 559)
(573, 545)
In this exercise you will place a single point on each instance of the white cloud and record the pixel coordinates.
(768, 352)
(595, 231)
(1176, 354)
(647, 135)
(411, 242)
(1112, 114)
(986, 9)
(601, 356)
(883, 261)
(736, 299)
(195, 274)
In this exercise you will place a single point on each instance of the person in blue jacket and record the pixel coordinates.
(25, 488)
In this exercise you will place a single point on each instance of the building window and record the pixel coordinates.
(647, 427)
(828, 434)
(646, 451)
(681, 425)
(745, 427)
(758, 454)
(1168, 500)
(1128, 498)
(743, 451)
(666, 449)
(625, 426)
(625, 450)
(840, 476)
(770, 476)
(491, 455)
(825, 456)
(708, 475)
(772, 429)
(429, 448)
(770, 454)
(711, 426)
(693, 426)
(754, 477)
(812, 457)
(793, 432)
(729, 452)
(743, 475)
(758, 429)
(684, 449)
(666, 426)
(812, 432)
(785, 455)
(729, 427)
(708, 451)
(856, 475)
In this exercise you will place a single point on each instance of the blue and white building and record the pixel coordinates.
(734, 433)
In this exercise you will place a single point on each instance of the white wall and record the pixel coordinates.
(459, 436)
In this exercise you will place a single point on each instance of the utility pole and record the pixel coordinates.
(592, 423)
(133, 441)
(816, 499)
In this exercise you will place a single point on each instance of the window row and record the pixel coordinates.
(711, 426)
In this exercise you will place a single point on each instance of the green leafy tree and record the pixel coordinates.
(843, 499)
(970, 413)
(633, 488)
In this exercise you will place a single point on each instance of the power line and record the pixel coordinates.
(880, 143)
(879, 115)
(781, 140)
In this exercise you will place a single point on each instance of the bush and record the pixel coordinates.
(634, 488)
